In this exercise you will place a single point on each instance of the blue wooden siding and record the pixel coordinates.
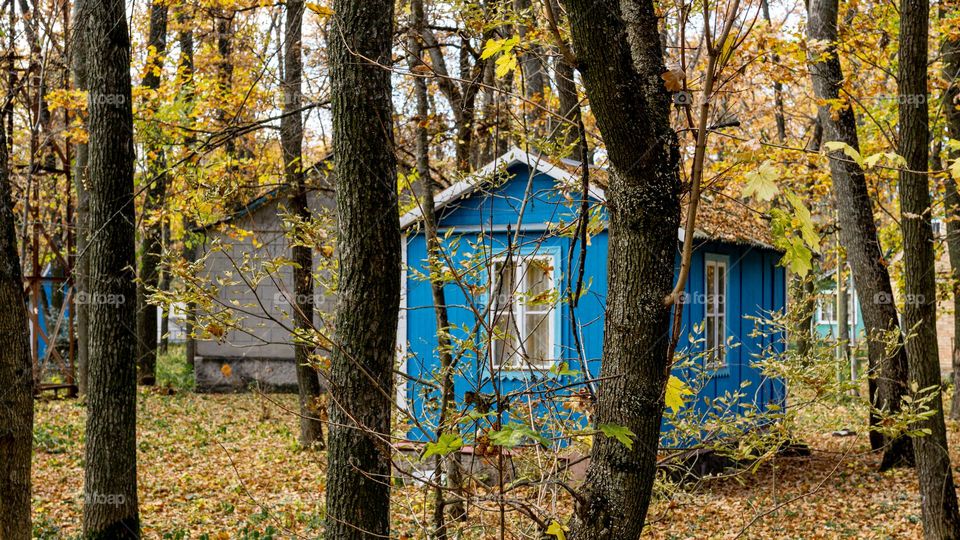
(488, 220)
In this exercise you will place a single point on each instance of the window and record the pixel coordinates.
(716, 312)
(827, 308)
(936, 224)
(523, 300)
(828, 311)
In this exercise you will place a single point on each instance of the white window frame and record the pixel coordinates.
(717, 359)
(821, 318)
(520, 310)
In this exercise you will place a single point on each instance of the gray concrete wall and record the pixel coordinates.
(259, 349)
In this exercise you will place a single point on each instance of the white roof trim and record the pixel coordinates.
(468, 185)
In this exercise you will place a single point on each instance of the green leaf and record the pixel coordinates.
(556, 529)
(562, 369)
(448, 442)
(620, 433)
(895, 159)
(512, 435)
(675, 394)
(798, 258)
(851, 152)
(807, 228)
(761, 183)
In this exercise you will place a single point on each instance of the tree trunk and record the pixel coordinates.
(937, 492)
(81, 265)
(621, 65)
(187, 95)
(531, 62)
(951, 73)
(291, 141)
(110, 489)
(858, 235)
(16, 375)
(361, 372)
(156, 178)
(449, 465)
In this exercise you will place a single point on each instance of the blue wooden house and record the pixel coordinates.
(506, 233)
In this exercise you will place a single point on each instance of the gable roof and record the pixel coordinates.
(483, 176)
(718, 219)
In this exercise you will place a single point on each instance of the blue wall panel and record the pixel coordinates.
(486, 222)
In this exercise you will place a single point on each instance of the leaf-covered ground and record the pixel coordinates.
(228, 466)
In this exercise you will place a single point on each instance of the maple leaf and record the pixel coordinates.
(675, 394)
(673, 79)
(761, 184)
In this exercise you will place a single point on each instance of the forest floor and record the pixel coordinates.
(228, 467)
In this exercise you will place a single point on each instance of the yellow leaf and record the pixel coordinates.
(505, 64)
(677, 390)
(556, 529)
(226, 370)
(322, 11)
(762, 182)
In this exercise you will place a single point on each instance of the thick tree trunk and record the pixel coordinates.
(858, 235)
(156, 178)
(621, 64)
(449, 465)
(81, 265)
(951, 73)
(16, 375)
(938, 496)
(291, 141)
(110, 488)
(361, 372)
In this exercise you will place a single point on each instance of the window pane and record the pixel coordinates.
(504, 317)
(711, 332)
(537, 343)
(538, 277)
(721, 289)
(711, 288)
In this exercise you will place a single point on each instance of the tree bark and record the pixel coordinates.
(291, 141)
(110, 479)
(449, 465)
(858, 235)
(156, 188)
(951, 73)
(621, 62)
(534, 75)
(361, 373)
(462, 98)
(938, 496)
(187, 94)
(16, 375)
(81, 265)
